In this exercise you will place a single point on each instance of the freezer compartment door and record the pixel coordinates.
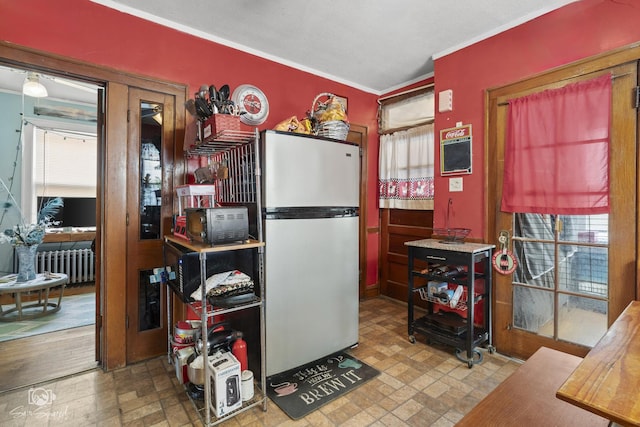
(305, 171)
(311, 304)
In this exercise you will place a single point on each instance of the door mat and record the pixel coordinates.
(304, 389)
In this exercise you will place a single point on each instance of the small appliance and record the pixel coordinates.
(225, 224)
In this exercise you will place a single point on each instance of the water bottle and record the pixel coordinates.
(239, 350)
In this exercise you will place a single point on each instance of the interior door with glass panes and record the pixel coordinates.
(575, 273)
(149, 185)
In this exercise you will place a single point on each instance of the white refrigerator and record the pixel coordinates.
(310, 204)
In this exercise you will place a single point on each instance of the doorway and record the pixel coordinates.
(579, 272)
(111, 240)
(43, 133)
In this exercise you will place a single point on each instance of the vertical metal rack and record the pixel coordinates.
(240, 153)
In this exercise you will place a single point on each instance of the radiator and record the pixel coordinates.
(78, 264)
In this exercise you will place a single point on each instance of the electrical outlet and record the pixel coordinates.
(455, 184)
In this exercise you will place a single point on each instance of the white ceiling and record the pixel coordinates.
(61, 89)
(373, 45)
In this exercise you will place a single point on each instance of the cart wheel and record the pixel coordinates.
(492, 349)
(477, 357)
(412, 339)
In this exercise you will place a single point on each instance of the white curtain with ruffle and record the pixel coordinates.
(406, 169)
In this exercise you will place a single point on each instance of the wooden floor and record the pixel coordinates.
(40, 358)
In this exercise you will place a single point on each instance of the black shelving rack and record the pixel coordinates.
(460, 332)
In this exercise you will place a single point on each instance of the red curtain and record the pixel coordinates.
(557, 150)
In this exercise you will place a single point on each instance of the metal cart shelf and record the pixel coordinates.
(461, 332)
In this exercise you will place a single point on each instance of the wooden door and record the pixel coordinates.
(149, 208)
(564, 281)
(358, 135)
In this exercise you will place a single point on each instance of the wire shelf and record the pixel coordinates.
(460, 305)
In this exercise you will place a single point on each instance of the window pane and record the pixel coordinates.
(561, 255)
(149, 302)
(535, 263)
(581, 320)
(150, 170)
(533, 310)
(55, 150)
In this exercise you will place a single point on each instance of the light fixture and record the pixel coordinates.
(33, 87)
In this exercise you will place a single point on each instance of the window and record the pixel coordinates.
(406, 158)
(59, 160)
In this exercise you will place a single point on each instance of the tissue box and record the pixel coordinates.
(224, 371)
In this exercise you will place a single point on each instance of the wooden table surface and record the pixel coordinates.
(607, 381)
(527, 397)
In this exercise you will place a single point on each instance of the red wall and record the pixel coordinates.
(89, 32)
(573, 32)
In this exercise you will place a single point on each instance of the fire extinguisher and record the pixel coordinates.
(239, 350)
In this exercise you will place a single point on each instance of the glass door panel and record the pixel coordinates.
(560, 287)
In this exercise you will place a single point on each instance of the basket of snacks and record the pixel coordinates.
(329, 117)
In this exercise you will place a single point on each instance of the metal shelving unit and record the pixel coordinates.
(240, 151)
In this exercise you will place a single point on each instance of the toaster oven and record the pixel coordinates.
(225, 224)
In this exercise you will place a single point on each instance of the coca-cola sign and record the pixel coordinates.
(456, 133)
(455, 150)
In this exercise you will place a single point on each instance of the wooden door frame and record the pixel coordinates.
(111, 199)
(359, 134)
(496, 97)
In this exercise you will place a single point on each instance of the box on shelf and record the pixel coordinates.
(193, 315)
(226, 393)
(219, 123)
(195, 196)
(435, 288)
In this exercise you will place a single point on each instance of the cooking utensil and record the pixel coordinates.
(202, 108)
(190, 105)
(195, 368)
(184, 332)
(213, 99)
(224, 92)
(204, 89)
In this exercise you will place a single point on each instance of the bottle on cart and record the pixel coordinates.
(454, 271)
(441, 270)
(433, 267)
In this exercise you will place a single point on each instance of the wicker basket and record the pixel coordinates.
(335, 129)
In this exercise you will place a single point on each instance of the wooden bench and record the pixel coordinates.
(528, 396)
